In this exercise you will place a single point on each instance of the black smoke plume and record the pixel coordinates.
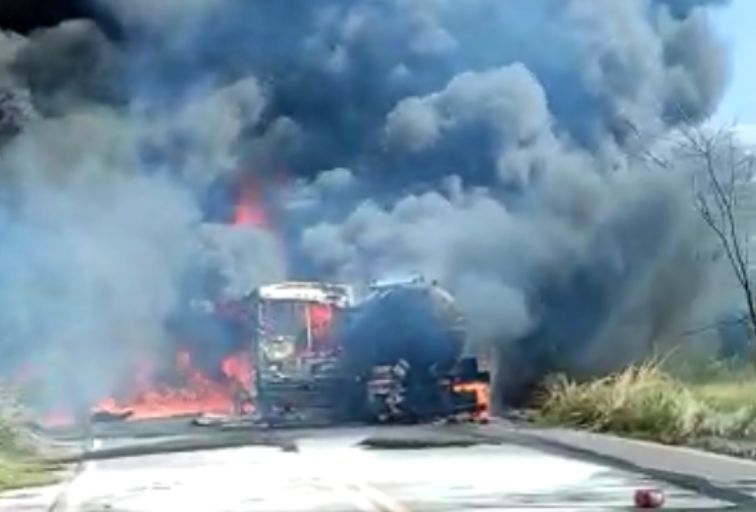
(26, 16)
(484, 143)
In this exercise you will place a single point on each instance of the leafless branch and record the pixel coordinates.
(724, 175)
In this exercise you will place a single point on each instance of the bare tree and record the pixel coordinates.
(722, 171)
(723, 176)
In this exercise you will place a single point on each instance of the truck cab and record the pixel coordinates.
(297, 348)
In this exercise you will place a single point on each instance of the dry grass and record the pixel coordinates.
(644, 401)
(641, 401)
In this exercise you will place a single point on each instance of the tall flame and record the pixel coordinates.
(482, 391)
(250, 208)
(196, 392)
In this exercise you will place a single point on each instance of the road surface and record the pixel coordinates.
(331, 470)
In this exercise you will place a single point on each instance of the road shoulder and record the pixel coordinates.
(718, 476)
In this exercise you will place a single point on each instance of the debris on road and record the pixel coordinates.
(419, 439)
(110, 416)
(649, 498)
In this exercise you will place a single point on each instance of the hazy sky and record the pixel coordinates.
(737, 24)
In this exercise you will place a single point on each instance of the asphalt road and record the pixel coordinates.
(401, 469)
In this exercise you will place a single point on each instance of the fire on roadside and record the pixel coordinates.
(159, 388)
(482, 392)
(194, 392)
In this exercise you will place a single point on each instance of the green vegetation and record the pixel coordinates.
(647, 402)
(727, 395)
(23, 472)
(20, 461)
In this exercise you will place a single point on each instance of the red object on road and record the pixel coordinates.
(649, 498)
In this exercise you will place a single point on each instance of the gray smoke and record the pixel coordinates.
(96, 238)
(483, 143)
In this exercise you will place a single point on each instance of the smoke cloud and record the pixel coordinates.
(482, 143)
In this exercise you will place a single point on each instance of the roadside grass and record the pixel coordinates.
(641, 401)
(727, 396)
(21, 463)
(646, 401)
(18, 473)
(725, 385)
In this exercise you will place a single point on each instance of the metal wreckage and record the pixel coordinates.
(395, 355)
(310, 353)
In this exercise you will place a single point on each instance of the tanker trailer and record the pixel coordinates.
(405, 341)
(411, 320)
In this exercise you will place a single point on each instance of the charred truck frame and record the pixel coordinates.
(393, 356)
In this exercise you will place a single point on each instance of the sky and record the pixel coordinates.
(737, 24)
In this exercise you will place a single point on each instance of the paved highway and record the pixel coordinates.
(413, 469)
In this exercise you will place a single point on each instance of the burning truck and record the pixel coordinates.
(393, 356)
(311, 353)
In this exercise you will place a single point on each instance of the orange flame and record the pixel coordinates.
(198, 394)
(320, 317)
(250, 208)
(238, 368)
(482, 391)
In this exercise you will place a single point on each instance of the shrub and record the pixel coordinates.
(641, 401)
(15, 439)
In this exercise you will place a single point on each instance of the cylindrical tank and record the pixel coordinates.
(417, 322)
